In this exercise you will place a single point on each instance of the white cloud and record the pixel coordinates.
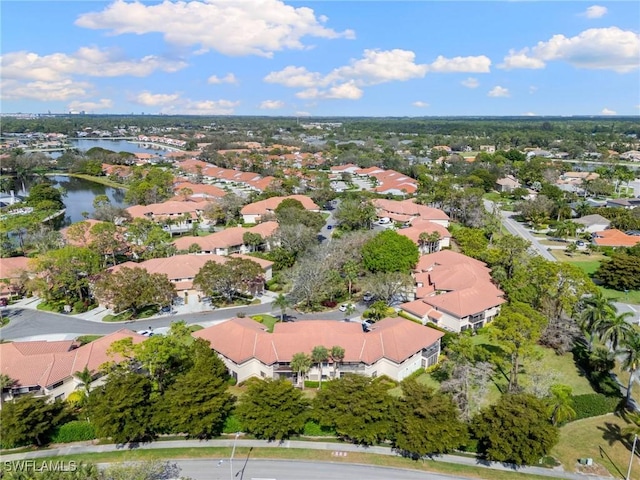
(52, 91)
(420, 104)
(530, 114)
(595, 11)
(380, 66)
(521, 59)
(88, 61)
(175, 104)
(607, 111)
(471, 82)
(597, 48)
(479, 64)
(155, 99)
(345, 91)
(533, 89)
(78, 106)
(271, 105)
(499, 91)
(294, 77)
(228, 78)
(258, 27)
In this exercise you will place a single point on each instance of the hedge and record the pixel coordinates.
(594, 405)
(74, 431)
(313, 429)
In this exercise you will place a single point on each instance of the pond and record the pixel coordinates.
(80, 194)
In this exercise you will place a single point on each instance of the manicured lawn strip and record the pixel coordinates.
(617, 296)
(101, 180)
(598, 438)
(268, 321)
(216, 453)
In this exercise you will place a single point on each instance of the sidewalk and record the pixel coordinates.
(297, 444)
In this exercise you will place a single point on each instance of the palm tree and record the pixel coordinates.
(319, 355)
(301, 363)
(282, 303)
(86, 377)
(337, 356)
(596, 308)
(630, 353)
(561, 404)
(614, 329)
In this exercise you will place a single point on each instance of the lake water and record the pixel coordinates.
(80, 194)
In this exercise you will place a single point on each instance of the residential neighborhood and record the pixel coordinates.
(285, 267)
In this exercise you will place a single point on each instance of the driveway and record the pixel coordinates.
(325, 231)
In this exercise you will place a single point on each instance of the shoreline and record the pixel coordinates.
(90, 178)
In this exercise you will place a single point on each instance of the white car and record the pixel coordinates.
(345, 306)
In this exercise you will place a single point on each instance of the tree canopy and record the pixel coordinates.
(389, 252)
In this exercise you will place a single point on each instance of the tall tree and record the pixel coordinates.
(319, 355)
(134, 289)
(630, 353)
(560, 404)
(30, 420)
(357, 407)
(515, 430)
(389, 252)
(301, 363)
(425, 422)
(595, 309)
(230, 279)
(517, 329)
(281, 302)
(614, 329)
(122, 408)
(198, 402)
(337, 356)
(272, 409)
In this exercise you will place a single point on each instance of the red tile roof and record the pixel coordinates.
(270, 204)
(409, 207)
(44, 363)
(230, 237)
(242, 339)
(615, 238)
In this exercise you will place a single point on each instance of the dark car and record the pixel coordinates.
(329, 227)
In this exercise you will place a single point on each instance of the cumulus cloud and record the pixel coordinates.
(295, 77)
(78, 106)
(607, 111)
(499, 91)
(52, 91)
(597, 48)
(89, 61)
(471, 82)
(271, 105)
(259, 27)
(479, 64)
(420, 104)
(533, 89)
(595, 11)
(176, 104)
(155, 99)
(228, 78)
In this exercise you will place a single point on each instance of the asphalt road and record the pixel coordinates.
(35, 323)
(516, 228)
(283, 470)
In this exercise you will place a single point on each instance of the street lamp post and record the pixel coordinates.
(233, 450)
(633, 452)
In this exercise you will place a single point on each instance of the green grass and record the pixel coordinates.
(100, 180)
(215, 453)
(268, 321)
(84, 339)
(128, 315)
(598, 438)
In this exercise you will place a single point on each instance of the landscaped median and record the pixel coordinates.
(322, 451)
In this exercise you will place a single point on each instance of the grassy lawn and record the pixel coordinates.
(268, 321)
(216, 453)
(84, 339)
(101, 180)
(128, 315)
(598, 438)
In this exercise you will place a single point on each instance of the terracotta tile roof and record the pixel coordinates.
(44, 363)
(468, 301)
(409, 207)
(11, 267)
(615, 238)
(164, 209)
(420, 226)
(242, 339)
(270, 204)
(445, 257)
(229, 237)
(200, 189)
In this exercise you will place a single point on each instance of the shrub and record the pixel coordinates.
(388, 382)
(312, 429)
(74, 431)
(405, 315)
(232, 425)
(329, 303)
(448, 336)
(232, 381)
(79, 307)
(594, 405)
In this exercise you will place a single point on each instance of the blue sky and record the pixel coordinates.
(321, 58)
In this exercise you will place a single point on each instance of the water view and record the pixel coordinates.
(80, 194)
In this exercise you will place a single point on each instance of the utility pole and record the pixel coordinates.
(633, 453)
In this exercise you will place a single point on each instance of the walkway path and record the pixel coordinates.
(327, 446)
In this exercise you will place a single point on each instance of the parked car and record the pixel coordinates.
(580, 243)
(329, 227)
(345, 306)
(368, 296)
